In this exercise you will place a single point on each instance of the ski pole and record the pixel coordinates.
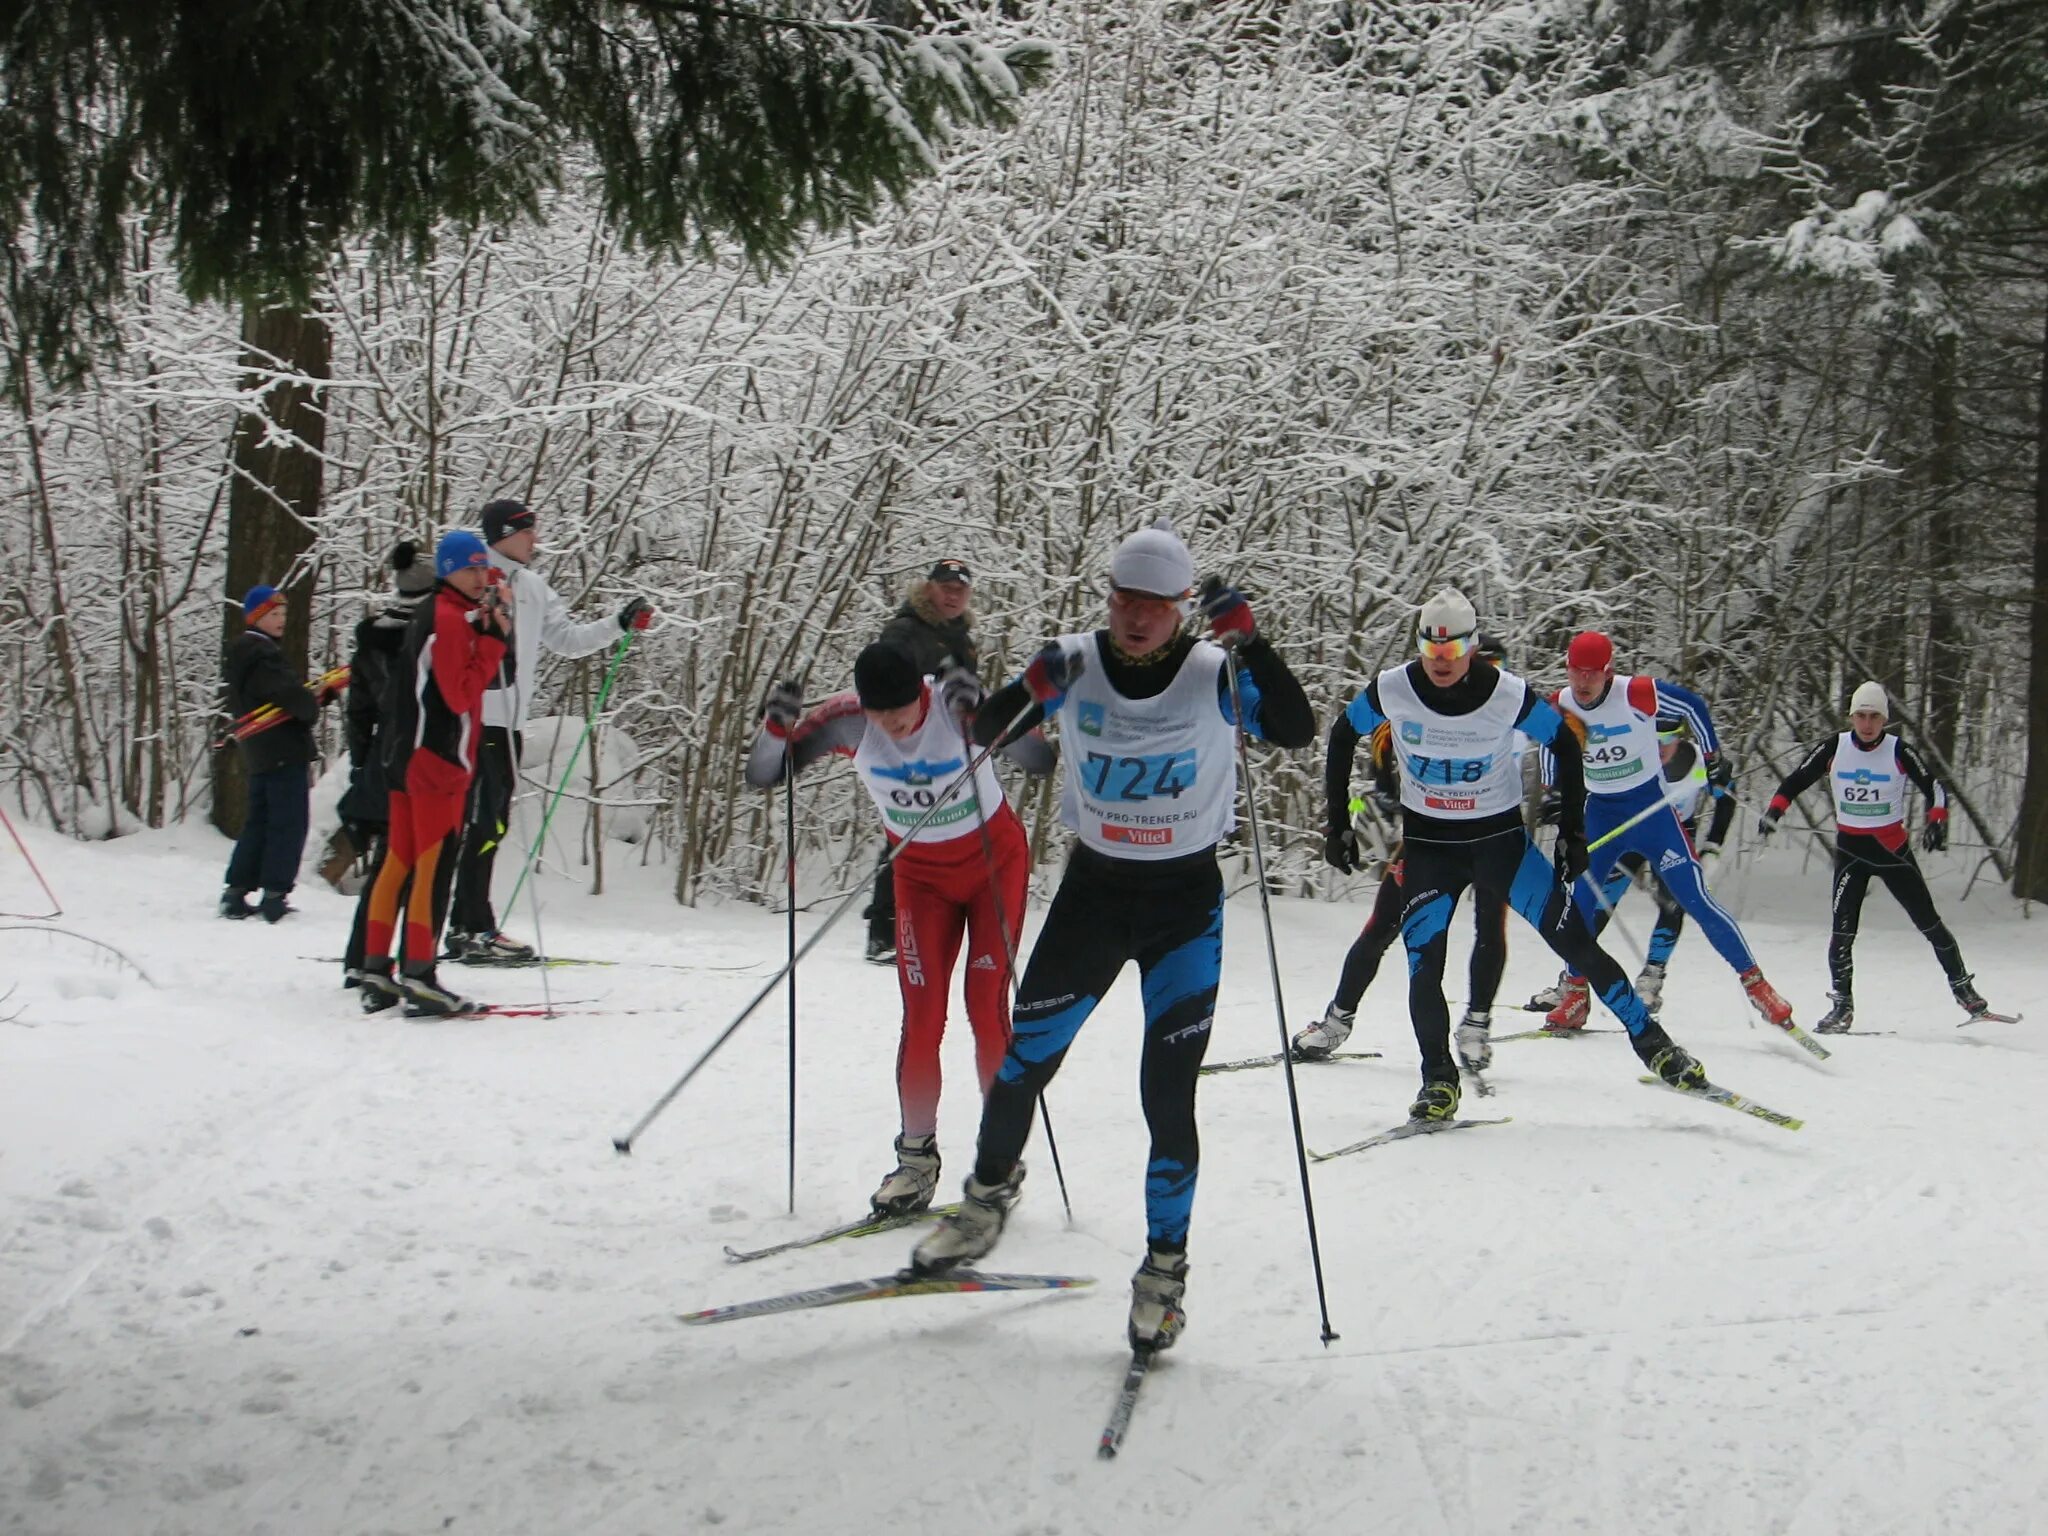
(1251, 817)
(1665, 799)
(56, 906)
(789, 845)
(624, 1144)
(589, 724)
(988, 858)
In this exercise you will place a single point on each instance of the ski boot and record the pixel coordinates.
(1839, 1018)
(489, 949)
(1437, 1101)
(1157, 1317)
(426, 998)
(1649, 986)
(1550, 996)
(1321, 1038)
(910, 1187)
(971, 1232)
(234, 903)
(881, 949)
(1475, 1039)
(378, 990)
(1677, 1068)
(274, 908)
(1765, 996)
(1967, 998)
(1573, 1004)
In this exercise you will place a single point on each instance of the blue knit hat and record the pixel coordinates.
(458, 550)
(258, 602)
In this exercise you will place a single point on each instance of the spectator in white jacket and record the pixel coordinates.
(539, 618)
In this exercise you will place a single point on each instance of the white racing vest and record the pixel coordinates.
(1147, 778)
(1869, 784)
(1459, 767)
(908, 777)
(1621, 745)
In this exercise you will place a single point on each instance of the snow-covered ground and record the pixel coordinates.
(266, 1266)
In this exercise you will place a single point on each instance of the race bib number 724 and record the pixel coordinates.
(1146, 777)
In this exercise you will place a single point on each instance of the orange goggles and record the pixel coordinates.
(1446, 650)
(1128, 601)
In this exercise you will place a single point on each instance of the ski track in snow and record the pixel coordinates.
(268, 1266)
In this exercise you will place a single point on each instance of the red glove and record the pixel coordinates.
(1229, 615)
(1051, 673)
(637, 614)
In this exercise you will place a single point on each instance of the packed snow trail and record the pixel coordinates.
(266, 1265)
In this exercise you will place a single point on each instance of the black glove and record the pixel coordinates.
(784, 704)
(1766, 824)
(1229, 615)
(1720, 775)
(1935, 838)
(1549, 808)
(637, 614)
(1571, 856)
(1340, 849)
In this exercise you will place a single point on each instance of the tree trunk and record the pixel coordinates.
(2030, 875)
(1942, 684)
(274, 497)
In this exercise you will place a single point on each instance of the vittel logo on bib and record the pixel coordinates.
(1141, 837)
(1450, 802)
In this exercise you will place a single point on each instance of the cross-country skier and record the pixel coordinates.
(934, 626)
(965, 869)
(1147, 731)
(452, 649)
(1383, 926)
(1461, 791)
(1867, 770)
(539, 619)
(365, 806)
(1686, 785)
(1627, 806)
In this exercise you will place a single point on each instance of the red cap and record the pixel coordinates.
(1590, 651)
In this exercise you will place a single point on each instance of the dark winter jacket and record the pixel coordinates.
(929, 639)
(257, 674)
(378, 657)
(437, 699)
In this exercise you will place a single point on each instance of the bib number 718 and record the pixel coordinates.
(1145, 777)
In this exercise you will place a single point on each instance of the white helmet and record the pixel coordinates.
(1869, 696)
(1447, 616)
(1154, 560)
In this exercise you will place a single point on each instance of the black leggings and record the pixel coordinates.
(1508, 867)
(489, 814)
(1489, 946)
(1855, 863)
(1167, 916)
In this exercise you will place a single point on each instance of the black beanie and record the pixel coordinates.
(885, 678)
(503, 517)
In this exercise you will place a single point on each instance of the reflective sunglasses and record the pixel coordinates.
(1446, 650)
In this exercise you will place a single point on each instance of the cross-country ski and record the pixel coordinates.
(870, 1225)
(883, 1287)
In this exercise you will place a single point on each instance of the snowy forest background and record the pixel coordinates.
(1722, 331)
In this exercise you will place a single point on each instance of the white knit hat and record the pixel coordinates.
(1447, 616)
(1153, 560)
(1869, 696)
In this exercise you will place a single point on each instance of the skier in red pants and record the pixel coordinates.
(963, 872)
